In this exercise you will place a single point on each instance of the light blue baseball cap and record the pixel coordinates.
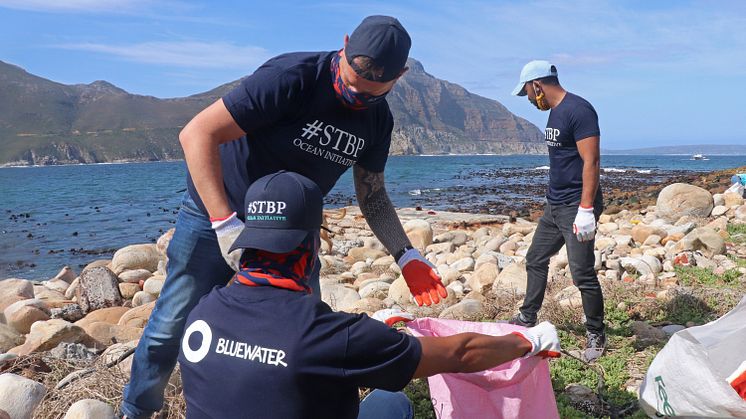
(534, 70)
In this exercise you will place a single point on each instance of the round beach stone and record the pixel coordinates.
(467, 309)
(142, 297)
(704, 239)
(9, 338)
(375, 289)
(154, 284)
(109, 315)
(680, 199)
(20, 396)
(483, 277)
(90, 409)
(134, 275)
(128, 290)
(137, 316)
(513, 277)
(420, 233)
(463, 264)
(22, 314)
(338, 297)
(12, 290)
(136, 256)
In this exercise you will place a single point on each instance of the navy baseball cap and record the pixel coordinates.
(281, 209)
(383, 39)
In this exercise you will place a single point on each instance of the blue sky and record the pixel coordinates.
(658, 72)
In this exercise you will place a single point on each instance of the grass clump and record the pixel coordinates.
(693, 275)
(737, 233)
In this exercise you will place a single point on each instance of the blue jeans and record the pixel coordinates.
(381, 404)
(195, 266)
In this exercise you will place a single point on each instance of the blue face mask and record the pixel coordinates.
(352, 100)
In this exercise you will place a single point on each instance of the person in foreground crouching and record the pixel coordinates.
(264, 347)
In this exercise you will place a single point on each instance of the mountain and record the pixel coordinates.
(706, 149)
(43, 122)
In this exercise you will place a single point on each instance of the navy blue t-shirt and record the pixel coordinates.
(266, 352)
(294, 122)
(572, 120)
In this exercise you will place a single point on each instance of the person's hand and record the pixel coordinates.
(543, 339)
(391, 316)
(227, 230)
(584, 226)
(423, 282)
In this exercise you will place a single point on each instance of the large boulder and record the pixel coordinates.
(99, 288)
(58, 285)
(90, 409)
(375, 289)
(136, 256)
(45, 335)
(22, 314)
(732, 199)
(9, 338)
(680, 199)
(109, 315)
(419, 232)
(366, 305)
(12, 290)
(141, 298)
(513, 277)
(20, 396)
(137, 316)
(704, 239)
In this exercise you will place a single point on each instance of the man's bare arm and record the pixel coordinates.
(200, 139)
(468, 352)
(590, 152)
(378, 210)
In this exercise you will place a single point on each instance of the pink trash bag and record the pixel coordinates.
(521, 388)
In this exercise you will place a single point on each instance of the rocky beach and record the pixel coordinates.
(669, 255)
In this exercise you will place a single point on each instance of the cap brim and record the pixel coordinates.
(270, 240)
(520, 90)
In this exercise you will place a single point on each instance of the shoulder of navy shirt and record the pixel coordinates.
(285, 354)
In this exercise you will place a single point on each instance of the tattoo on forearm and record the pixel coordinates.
(378, 210)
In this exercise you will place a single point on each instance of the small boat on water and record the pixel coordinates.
(699, 157)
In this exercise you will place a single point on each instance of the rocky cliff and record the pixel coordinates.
(43, 122)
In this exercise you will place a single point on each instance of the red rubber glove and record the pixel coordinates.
(422, 280)
(391, 316)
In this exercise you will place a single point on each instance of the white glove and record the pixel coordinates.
(584, 226)
(391, 316)
(227, 231)
(544, 340)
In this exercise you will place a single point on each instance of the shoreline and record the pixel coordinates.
(13, 165)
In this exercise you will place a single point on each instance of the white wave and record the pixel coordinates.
(644, 172)
(613, 170)
(415, 192)
(541, 168)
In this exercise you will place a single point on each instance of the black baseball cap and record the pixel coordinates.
(383, 39)
(281, 210)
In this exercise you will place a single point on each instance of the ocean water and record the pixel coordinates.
(71, 215)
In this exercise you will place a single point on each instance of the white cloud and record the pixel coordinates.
(182, 54)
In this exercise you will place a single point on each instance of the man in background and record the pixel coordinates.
(574, 200)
